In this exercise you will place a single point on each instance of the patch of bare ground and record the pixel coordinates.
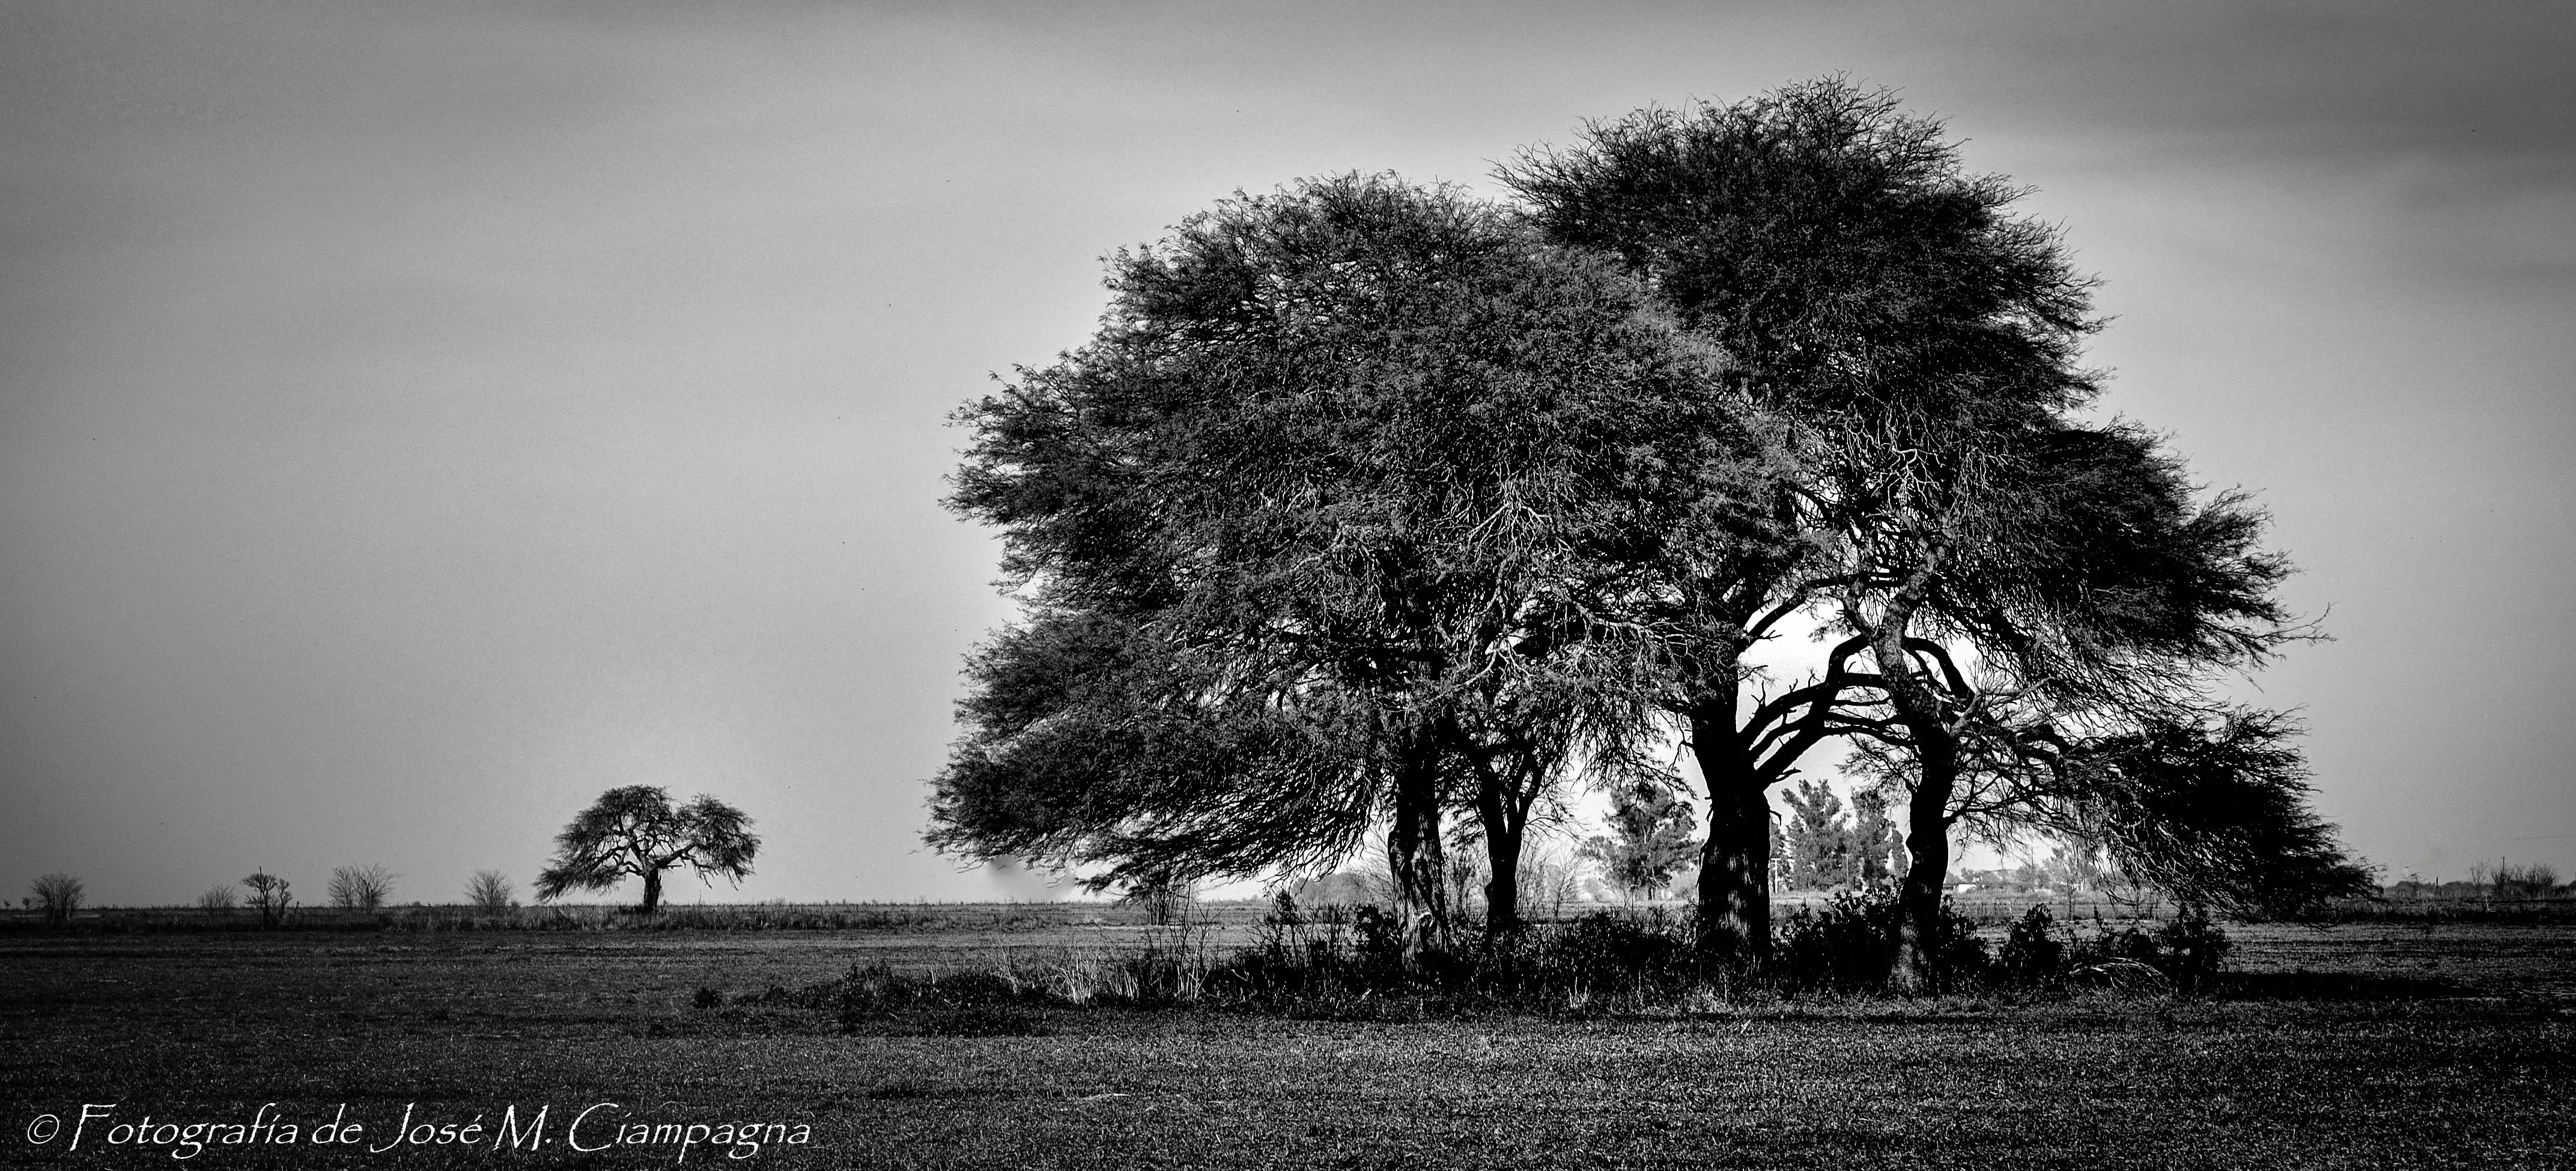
(2446, 1046)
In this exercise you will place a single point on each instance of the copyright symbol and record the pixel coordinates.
(44, 1128)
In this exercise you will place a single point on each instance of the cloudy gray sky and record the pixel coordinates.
(416, 418)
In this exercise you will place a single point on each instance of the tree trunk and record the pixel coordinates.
(1413, 848)
(1503, 835)
(1927, 839)
(1927, 816)
(652, 891)
(1735, 860)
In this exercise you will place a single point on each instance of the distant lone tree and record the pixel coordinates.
(271, 896)
(361, 888)
(634, 832)
(1650, 838)
(57, 896)
(1823, 849)
(489, 890)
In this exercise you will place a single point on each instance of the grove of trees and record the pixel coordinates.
(1374, 506)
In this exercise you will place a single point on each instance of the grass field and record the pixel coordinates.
(2434, 1045)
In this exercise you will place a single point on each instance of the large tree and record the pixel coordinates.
(1355, 481)
(1947, 516)
(1870, 294)
(635, 832)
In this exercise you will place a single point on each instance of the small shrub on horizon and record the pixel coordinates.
(218, 897)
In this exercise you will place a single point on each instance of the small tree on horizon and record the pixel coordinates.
(635, 832)
(361, 888)
(57, 896)
(270, 896)
(489, 890)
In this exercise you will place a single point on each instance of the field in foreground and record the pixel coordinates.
(2472, 1066)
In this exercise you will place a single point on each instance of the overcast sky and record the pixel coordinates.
(417, 418)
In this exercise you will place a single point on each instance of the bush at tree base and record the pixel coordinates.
(1356, 963)
(1851, 945)
(2188, 950)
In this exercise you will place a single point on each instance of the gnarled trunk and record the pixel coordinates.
(652, 891)
(1927, 840)
(1735, 877)
(1735, 860)
(1927, 816)
(1414, 855)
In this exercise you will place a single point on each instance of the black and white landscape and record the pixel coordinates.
(1011, 585)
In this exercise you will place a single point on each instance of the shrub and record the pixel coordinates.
(1598, 955)
(1855, 943)
(489, 891)
(1165, 899)
(1294, 955)
(270, 896)
(361, 888)
(1848, 946)
(1958, 958)
(218, 897)
(2536, 881)
(57, 896)
(2186, 952)
(1597, 960)
(2191, 949)
(2031, 954)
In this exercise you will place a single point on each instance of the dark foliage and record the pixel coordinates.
(1093, 739)
(2217, 814)
(1851, 945)
(2187, 951)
